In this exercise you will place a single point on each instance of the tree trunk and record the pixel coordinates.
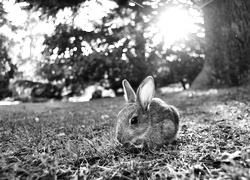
(227, 28)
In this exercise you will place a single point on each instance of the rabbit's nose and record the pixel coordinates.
(120, 138)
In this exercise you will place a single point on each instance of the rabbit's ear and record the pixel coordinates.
(145, 92)
(129, 93)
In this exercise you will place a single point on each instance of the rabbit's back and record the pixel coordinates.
(165, 120)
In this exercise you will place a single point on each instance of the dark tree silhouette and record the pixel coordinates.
(7, 69)
(227, 25)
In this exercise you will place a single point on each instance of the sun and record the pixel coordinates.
(175, 24)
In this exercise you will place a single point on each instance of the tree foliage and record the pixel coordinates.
(117, 49)
(121, 47)
(7, 68)
(49, 7)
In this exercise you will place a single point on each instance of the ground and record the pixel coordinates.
(64, 140)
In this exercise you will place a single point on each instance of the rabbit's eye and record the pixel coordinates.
(134, 120)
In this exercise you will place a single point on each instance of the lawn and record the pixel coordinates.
(64, 140)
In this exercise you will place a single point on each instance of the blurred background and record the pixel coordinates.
(79, 50)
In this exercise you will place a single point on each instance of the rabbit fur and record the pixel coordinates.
(146, 121)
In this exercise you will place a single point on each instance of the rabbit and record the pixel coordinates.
(145, 121)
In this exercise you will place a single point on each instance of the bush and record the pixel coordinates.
(25, 90)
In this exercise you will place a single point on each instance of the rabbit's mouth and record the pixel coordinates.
(139, 143)
(131, 145)
(140, 146)
(136, 148)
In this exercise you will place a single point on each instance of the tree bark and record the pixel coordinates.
(227, 54)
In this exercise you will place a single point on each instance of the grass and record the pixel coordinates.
(76, 140)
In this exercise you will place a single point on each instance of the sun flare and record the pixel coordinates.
(175, 24)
